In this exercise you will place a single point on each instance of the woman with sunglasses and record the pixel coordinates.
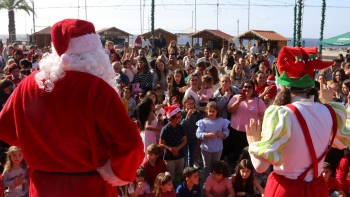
(243, 107)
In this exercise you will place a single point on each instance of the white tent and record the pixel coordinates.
(186, 32)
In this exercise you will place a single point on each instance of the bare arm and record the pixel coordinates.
(258, 186)
(148, 126)
(231, 192)
(233, 107)
(207, 193)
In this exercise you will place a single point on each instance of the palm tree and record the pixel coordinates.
(11, 6)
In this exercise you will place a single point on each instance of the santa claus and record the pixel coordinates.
(70, 122)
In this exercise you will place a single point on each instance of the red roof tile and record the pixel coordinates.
(46, 30)
(264, 35)
(217, 33)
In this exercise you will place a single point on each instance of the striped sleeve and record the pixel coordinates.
(276, 132)
(342, 139)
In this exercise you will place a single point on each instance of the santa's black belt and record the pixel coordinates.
(91, 173)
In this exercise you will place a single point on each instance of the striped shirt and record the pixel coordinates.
(145, 80)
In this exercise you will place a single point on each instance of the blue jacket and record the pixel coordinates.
(182, 191)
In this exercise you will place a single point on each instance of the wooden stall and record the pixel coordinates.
(43, 37)
(117, 36)
(166, 34)
(214, 39)
(265, 40)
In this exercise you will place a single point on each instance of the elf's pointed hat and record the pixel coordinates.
(295, 66)
(170, 111)
(74, 36)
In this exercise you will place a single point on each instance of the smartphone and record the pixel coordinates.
(126, 44)
(243, 93)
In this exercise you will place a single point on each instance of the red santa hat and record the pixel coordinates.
(271, 79)
(170, 111)
(74, 36)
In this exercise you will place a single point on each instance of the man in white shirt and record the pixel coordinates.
(207, 55)
(253, 49)
(146, 42)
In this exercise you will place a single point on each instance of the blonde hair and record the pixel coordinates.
(208, 79)
(161, 179)
(8, 164)
(233, 74)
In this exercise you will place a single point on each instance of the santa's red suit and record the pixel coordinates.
(72, 135)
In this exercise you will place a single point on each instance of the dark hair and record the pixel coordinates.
(201, 65)
(32, 47)
(238, 52)
(152, 63)
(327, 165)
(35, 57)
(14, 66)
(346, 82)
(337, 61)
(140, 172)
(126, 62)
(253, 85)
(154, 148)
(342, 75)
(157, 71)
(213, 72)
(212, 104)
(248, 187)
(26, 64)
(220, 167)
(188, 171)
(154, 54)
(143, 110)
(230, 61)
(145, 67)
(18, 52)
(285, 97)
(5, 83)
(244, 155)
(208, 49)
(256, 76)
(173, 84)
(25, 72)
(341, 57)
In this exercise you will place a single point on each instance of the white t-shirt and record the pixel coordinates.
(253, 49)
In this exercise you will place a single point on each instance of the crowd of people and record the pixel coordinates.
(191, 113)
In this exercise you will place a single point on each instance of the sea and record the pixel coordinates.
(182, 40)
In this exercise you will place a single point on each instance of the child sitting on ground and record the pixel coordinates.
(163, 186)
(139, 187)
(334, 188)
(190, 187)
(218, 183)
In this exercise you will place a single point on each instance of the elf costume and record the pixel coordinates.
(74, 133)
(295, 137)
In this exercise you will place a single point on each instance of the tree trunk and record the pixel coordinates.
(12, 26)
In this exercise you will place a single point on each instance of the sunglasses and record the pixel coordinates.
(248, 87)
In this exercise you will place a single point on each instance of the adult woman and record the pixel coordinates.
(222, 97)
(213, 72)
(228, 61)
(237, 76)
(345, 88)
(191, 58)
(176, 85)
(5, 91)
(260, 85)
(172, 45)
(160, 73)
(285, 139)
(338, 77)
(193, 89)
(143, 77)
(341, 57)
(262, 68)
(243, 107)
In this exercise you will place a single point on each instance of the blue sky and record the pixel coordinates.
(176, 15)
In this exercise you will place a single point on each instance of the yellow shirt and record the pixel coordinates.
(126, 104)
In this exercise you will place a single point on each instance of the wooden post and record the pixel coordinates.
(248, 45)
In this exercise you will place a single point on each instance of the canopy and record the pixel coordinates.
(340, 40)
(186, 32)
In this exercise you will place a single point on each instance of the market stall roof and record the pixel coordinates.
(45, 31)
(262, 35)
(216, 33)
(158, 31)
(340, 40)
(186, 32)
(124, 33)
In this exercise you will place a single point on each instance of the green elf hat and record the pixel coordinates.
(295, 66)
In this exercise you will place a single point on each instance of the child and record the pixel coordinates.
(173, 139)
(189, 117)
(190, 187)
(207, 90)
(243, 180)
(131, 101)
(154, 165)
(163, 186)
(159, 94)
(15, 76)
(139, 187)
(334, 188)
(148, 122)
(15, 173)
(129, 70)
(273, 89)
(218, 183)
(212, 130)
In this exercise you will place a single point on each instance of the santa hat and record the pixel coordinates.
(170, 111)
(295, 66)
(74, 36)
(271, 79)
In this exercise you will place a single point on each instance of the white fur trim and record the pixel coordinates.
(85, 43)
(175, 111)
(270, 81)
(107, 174)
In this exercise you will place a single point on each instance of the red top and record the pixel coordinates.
(13, 53)
(333, 185)
(164, 194)
(153, 171)
(75, 128)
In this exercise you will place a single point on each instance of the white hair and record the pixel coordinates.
(53, 67)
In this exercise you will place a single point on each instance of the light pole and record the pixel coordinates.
(248, 13)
